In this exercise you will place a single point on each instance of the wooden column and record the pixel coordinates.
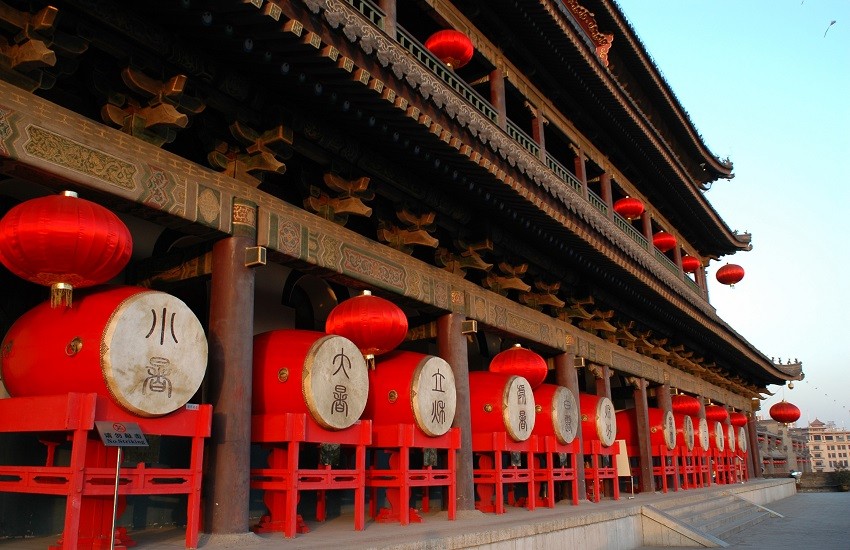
(231, 338)
(581, 170)
(754, 448)
(451, 346)
(646, 219)
(538, 132)
(566, 375)
(644, 446)
(603, 379)
(390, 16)
(497, 96)
(677, 259)
(607, 194)
(700, 276)
(665, 398)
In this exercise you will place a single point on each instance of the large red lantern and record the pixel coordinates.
(730, 274)
(523, 362)
(64, 242)
(738, 419)
(716, 413)
(785, 412)
(375, 325)
(664, 241)
(451, 47)
(685, 404)
(629, 207)
(690, 264)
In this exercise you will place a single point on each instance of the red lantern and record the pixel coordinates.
(523, 362)
(629, 207)
(738, 419)
(685, 404)
(690, 264)
(730, 274)
(716, 413)
(664, 241)
(451, 47)
(375, 325)
(64, 242)
(785, 412)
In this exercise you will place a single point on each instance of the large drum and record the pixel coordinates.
(718, 439)
(557, 413)
(598, 419)
(730, 438)
(684, 431)
(703, 433)
(501, 403)
(302, 371)
(412, 388)
(662, 428)
(143, 348)
(742, 439)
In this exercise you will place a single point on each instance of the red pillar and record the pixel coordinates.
(753, 447)
(603, 379)
(538, 133)
(389, 9)
(646, 219)
(607, 194)
(581, 170)
(644, 446)
(497, 96)
(566, 375)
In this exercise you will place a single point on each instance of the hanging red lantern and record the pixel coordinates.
(716, 413)
(375, 325)
(730, 274)
(785, 412)
(629, 207)
(738, 419)
(451, 47)
(690, 264)
(523, 362)
(685, 404)
(64, 242)
(664, 241)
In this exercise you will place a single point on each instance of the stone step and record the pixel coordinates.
(733, 506)
(741, 523)
(696, 508)
(720, 522)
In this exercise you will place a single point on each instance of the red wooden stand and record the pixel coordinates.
(284, 479)
(549, 474)
(722, 471)
(594, 470)
(703, 465)
(397, 442)
(88, 481)
(688, 467)
(741, 472)
(491, 475)
(664, 466)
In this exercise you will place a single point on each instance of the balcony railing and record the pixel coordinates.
(523, 139)
(633, 233)
(597, 202)
(564, 174)
(667, 262)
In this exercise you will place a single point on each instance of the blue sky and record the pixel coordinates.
(767, 89)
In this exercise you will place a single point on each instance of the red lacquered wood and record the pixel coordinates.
(557, 413)
(598, 419)
(662, 427)
(501, 403)
(685, 432)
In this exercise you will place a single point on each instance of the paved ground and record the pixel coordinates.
(816, 521)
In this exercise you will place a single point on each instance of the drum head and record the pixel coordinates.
(565, 415)
(335, 382)
(606, 421)
(153, 354)
(719, 437)
(433, 396)
(688, 432)
(518, 408)
(669, 430)
(730, 433)
(704, 437)
(742, 439)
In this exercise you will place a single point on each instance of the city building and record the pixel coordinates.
(783, 449)
(827, 444)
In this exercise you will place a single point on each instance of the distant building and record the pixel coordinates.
(782, 449)
(828, 445)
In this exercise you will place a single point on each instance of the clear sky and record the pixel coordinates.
(767, 84)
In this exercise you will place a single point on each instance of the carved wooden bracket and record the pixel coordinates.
(467, 258)
(599, 371)
(599, 323)
(163, 112)
(546, 297)
(258, 153)
(637, 382)
(510, 280)
(349, 199)
(418, 231)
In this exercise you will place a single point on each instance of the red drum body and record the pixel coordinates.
(557, 412)
(143, 348)
(412, 388)
(718, 437)
(662, 427)
(703, 434)
(501, 403)
(685, 435)
(302, 371)
(742, 439)
(598, 419)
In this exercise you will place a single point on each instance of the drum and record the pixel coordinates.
(302, 371)
(704, 436)
(501, 403)
(684, 431)
(662, 428)
(412, 388)
(718, 441)
(730, 438)
(143, 348)
(598, 419)
(557, 413)
(742, 439)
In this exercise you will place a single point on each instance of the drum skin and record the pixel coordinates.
(412, 388)
(718, 436)
(501, 403)
(303, 371)
(730, 438)
(742, 439)
(598, 419)
(685, 434)
(557, 413)
(662, 427)
(144, 349)
(703, 434)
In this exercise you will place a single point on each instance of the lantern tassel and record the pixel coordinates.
(370, 361)
(61, 294)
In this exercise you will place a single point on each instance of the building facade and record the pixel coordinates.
(783, 449)
(274, 158)
(827, 444)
